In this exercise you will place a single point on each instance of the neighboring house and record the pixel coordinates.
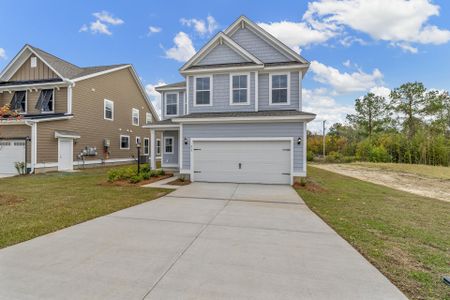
(238, 115)
(71, 116)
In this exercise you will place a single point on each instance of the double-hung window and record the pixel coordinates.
(279, 89)
(108, 110)
(203, 92)
(19, 102)
(124, 142)
(148, 118)
(135, 117)
(171, 104)
(46, 101)
(146, 146)
(158, 147)
(239, 87)
(168, 145)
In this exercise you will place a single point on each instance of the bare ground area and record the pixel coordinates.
(408, 182)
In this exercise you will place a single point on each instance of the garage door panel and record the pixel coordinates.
(11, 151)
(260, 161)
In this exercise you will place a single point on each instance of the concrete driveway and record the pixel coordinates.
(203, 241)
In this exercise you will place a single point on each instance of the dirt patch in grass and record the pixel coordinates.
(140, 183)
(309, 186)
(408, 182)
(6, 199)
(179, 182)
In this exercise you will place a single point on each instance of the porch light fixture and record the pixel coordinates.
(185, 141)
(299, 141)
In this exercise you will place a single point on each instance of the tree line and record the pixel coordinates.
(412, 125)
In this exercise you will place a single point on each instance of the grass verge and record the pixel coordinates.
(31, 206)
(405, 236)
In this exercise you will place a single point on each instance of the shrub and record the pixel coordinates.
(145, 176)
(310, 155)
(333, 156)
(135, 179)
(379, 154)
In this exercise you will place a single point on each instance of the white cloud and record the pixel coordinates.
(345, 82)
(153, 29)
(2, 53)
(406, 47)
(183, 49)
(320, 102)
(101, 25)
(389, 20)
(154, 96)
(202, 27)
(381, 91)
(107, 17)
(347, 63)
(349, 40)
(297, 34)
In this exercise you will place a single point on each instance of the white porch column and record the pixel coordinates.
(152, 149)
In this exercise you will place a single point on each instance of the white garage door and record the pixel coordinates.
(242, 161)
(11, 151)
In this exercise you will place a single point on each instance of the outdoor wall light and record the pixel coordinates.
(185, 141)
(299, 141)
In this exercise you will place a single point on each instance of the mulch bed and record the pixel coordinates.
(179, 182)
(143, 182)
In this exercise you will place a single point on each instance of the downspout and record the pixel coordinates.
(33, 126)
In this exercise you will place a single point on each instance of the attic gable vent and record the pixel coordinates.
(34, 62)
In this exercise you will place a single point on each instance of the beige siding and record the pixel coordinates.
(88, 96)
(17, 131)
(60, 98)
(26, 72)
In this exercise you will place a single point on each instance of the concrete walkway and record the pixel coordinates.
(203, 241)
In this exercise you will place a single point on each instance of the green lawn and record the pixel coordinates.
(407, 237)
(31, 206)
(422, 170)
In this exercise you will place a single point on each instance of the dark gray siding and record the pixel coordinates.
(170, 158)
(221, 54)
(263, 93)
(258, 46)
(291, 129)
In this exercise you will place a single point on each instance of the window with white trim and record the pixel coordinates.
(108, 110)
(171, 104)
(19, 102)
(168, 145)
(135, 116)
(239, 89)
(146, 146)
(124, 142)
(33, 62)
(138, 140)
(148, 118)
(158, 147)
(279, 85)
(46, 101)
(203, 90)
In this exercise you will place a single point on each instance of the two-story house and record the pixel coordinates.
(71, 116)
(238, 115)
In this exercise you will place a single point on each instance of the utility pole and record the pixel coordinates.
(324, 138)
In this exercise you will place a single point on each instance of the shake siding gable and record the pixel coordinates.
(258, 46)
(221, 54)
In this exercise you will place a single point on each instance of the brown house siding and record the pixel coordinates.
(88, 121)
(26, 72)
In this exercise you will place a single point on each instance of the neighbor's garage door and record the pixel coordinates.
(11, 151)
(242, 161)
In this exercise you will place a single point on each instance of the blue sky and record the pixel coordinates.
(355, 46)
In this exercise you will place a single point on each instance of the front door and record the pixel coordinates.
(65, 154)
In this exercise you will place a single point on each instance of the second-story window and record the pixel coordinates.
(279, 85)
(135, 117)
(108, 110)
(46, 101)
(19, 102)
(203, 90)
(239, 89)
(148, 118)
(172, 104)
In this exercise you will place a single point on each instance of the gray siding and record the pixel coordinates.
(258, 46)
(221, 54)
(290, 129)
(170, 158)
(263, 93)
(181, 95)
(221, 95)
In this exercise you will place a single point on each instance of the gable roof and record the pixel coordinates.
(217, 40)
(62, 68)
(244, 21)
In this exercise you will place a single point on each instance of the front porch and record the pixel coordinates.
(167, 147)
